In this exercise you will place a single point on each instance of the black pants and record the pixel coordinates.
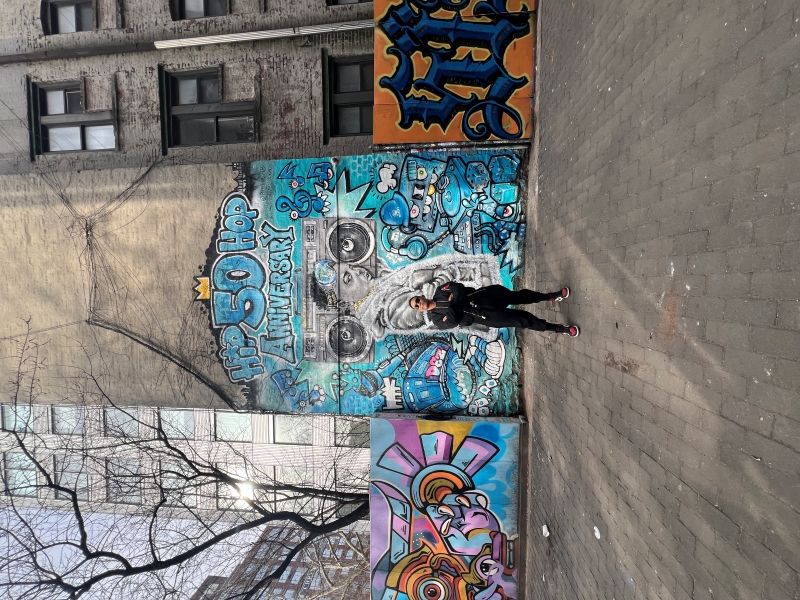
(492, 301)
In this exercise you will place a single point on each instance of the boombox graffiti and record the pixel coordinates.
(312, 264)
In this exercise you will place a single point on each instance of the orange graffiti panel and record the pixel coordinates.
(435, 83)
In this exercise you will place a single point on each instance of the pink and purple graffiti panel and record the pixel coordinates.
(443, 509)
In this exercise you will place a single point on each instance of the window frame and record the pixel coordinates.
(173, 114)
(360, 99)
(59, 460)
(107, 430)
(82, 418)
(40, 139)
(28, 424)
(295, 418)
(352, 422)
(217, 435)
(110, 479)
(49, 16)
(161, 421)
(6, 470)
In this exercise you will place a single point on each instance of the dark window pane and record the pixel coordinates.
(348, 78)
(196, 132)
(74, 102)
(193, 9)
(348, 120)
(209, 90)
(367, 76)
(84, 20)
(235, 129)
(217, 8)
(187, 91)
(366, 119)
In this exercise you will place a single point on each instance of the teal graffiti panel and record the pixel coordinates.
(312, 264)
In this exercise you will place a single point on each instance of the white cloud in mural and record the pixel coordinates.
(387, 182)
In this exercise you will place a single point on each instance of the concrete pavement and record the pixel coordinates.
(666, 194)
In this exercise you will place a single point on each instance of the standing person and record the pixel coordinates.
(454, 305)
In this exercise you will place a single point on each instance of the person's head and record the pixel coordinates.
(333, 282)
(421, 303)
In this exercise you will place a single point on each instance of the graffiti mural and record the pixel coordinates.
(443, 509)
(312, 264)
(453, 70)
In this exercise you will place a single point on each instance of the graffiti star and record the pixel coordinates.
(230, 353)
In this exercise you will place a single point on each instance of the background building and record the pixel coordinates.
(115, 156)
(333, 568)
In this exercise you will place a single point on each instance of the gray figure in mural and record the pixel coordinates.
(453, 304)
(343, 284)
(386, 309)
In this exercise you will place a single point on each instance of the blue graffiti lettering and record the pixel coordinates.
(411, 28)
(239, 354)
(280, 339)
(238, 297)
(237, 233)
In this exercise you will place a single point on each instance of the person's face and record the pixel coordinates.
(354, 283)
(420, 303)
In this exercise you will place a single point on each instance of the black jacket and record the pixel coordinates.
(451, 313)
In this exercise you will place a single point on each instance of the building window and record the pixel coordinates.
(198, 9)
(292, 429)
(177, 424)
(352, 432)
(17, 417)
(60, 123)
(196, 116)
(71, 473)
(176, 484)
(352, 479)
(124, 481)
(20, 475)
(66, 16)
(233, 426)
(69, 420)
(351, 95)
(122, 423)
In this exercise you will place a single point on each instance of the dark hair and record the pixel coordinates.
(324, 296)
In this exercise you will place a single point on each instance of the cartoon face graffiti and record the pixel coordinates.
(445, 542)
(425, 575)
(465, 521)
(472, 203)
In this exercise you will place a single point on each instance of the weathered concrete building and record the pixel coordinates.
(106, 192)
